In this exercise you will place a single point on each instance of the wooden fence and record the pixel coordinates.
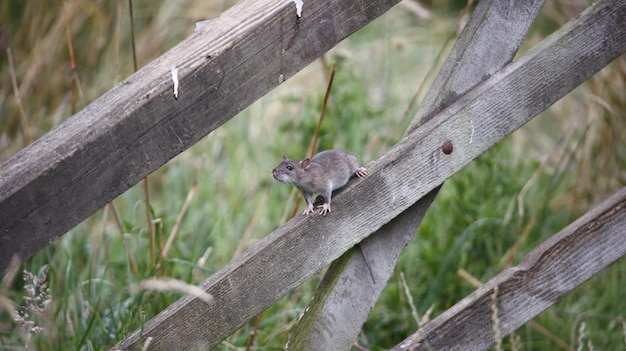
(479, 97)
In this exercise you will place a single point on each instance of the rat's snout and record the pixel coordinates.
(278, 175)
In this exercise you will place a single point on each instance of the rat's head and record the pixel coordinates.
(290, 171)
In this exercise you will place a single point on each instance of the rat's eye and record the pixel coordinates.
(290, 168)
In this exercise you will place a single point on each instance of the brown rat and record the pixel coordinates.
(328, 171)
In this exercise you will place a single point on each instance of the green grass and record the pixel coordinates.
(472, 225)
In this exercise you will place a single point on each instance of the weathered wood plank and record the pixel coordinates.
(412, 168)
(547, 273)
(53, 184)
(494, 33)
(346, 295)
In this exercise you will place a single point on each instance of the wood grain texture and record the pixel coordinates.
(407, 172)
(547, 273)
(488, 42)
(332, 321)
(75, 169)
(347, 294)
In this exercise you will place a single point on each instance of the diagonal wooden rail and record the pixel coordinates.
(129, 132)
(546, 274)
(407, 172)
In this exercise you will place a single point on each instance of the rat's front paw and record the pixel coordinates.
(325, 209)
(308, 210)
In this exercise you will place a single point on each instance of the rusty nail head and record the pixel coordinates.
(447, 147)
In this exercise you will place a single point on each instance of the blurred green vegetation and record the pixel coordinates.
(563, 162)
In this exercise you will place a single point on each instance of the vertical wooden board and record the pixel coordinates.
(489, 41)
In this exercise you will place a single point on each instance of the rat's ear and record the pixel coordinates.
(284, 158)
(305, 163)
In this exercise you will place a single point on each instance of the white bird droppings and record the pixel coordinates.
(299, 4)
(175, 79)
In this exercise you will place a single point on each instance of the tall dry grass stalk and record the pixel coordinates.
(66, 54)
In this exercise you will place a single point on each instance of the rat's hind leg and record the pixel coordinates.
(361, 172)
